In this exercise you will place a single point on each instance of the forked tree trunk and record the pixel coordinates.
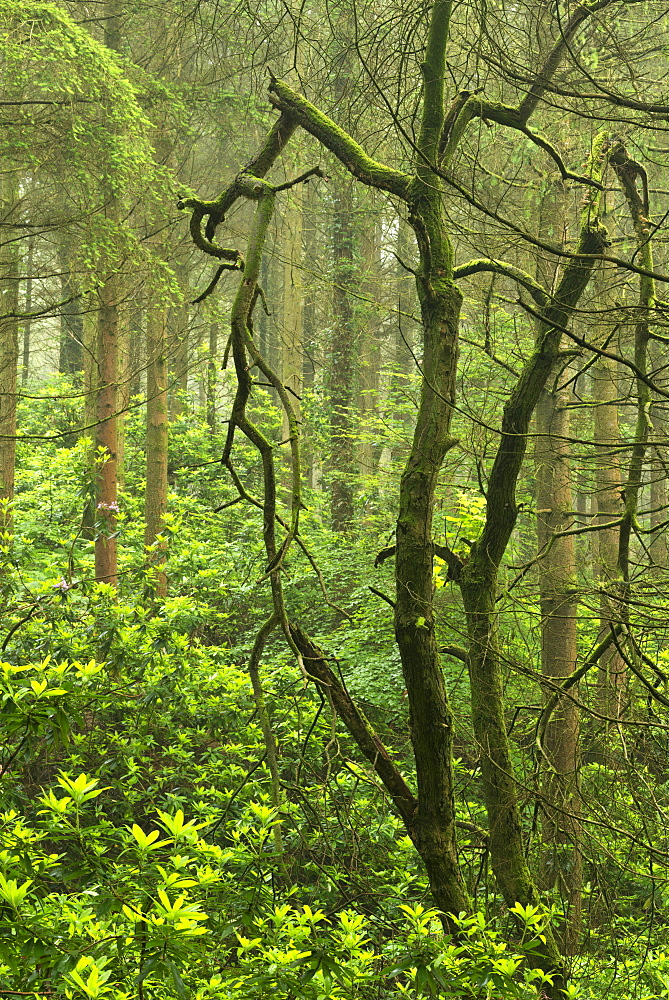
(432, 821)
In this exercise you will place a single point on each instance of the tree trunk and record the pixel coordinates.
(9, 349)
(368, 340)
(25, 366)
(430, 715)
(341, 377)
(106, 507)
(136, 351)
(178, 325)
(659, 552)
(562, 862)
(71, 320)
(478, 583)
(106, 357)
(612, 670)
(124, 383)
(212, 375)
(559, 609)
(292, 327)
(157, 424)
(90, 388)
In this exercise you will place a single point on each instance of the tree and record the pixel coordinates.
(424, 190)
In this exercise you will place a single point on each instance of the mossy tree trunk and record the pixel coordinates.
(478, 582)
(432, 822)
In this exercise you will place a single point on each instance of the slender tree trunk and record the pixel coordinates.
(430, 715)
(626, 170)
(659, 551)
(106, 442)
(559, 610)
(311, 459)
(90, 389)
(368, 348)
(124, 383)
(612, 670)
(292, 332)
(25, 366)
(9, 348)
(106, 355)
(341, 376)
(157, 424)
(136, 351)
(262, 324)
(212, 375)
(179, 337)
(71, 320)
(562, 861)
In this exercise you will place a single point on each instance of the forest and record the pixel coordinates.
(334, 563)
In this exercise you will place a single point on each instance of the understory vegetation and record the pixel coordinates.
(142, 853)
